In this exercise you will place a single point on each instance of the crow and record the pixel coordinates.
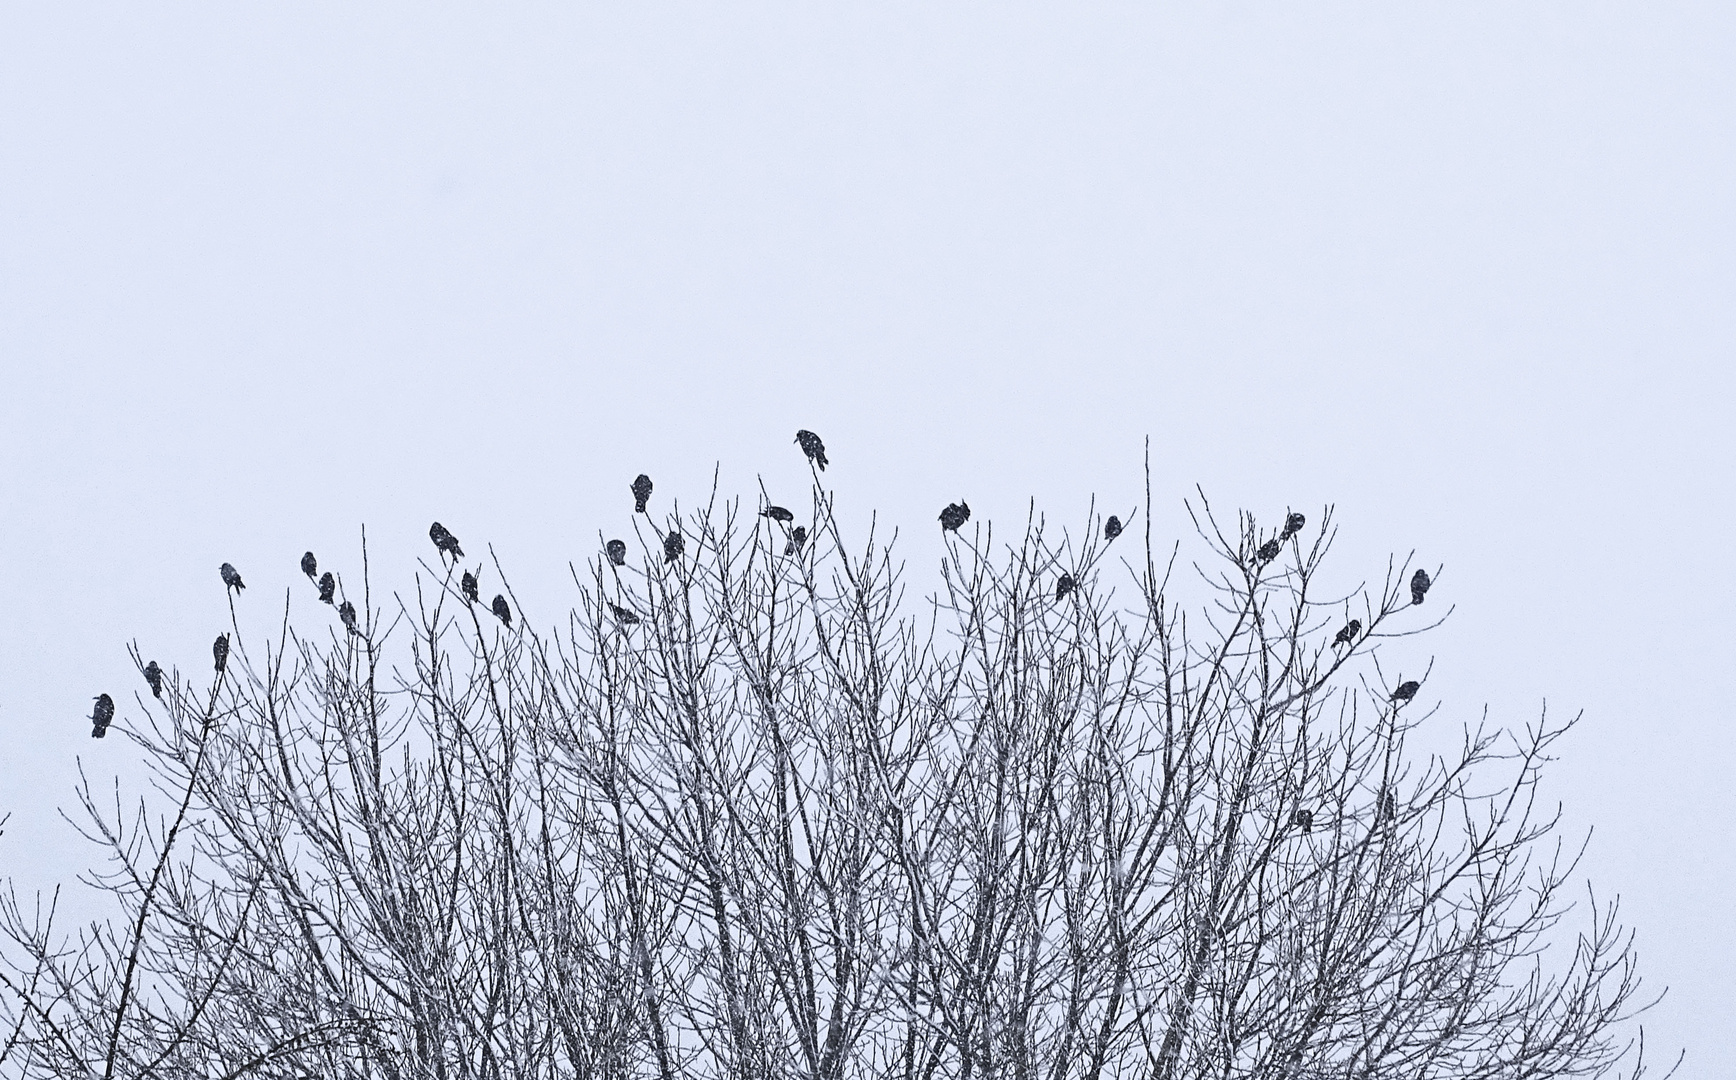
(467, 585)
(104, 713)
(813, 447)
(673, 545)
(231, 579)
(347, 613)
(798, 537)
(624, 614)
(954, 515)
(1269, 550)
(1303, 819)
(1064, 586)
(328, 586)
(445, 541)
(1419, 586)
(777, 513)
(1406, 690)
(617, 551)
(1292, 525)
(220, 651)
(641, 492)
(501, 610)
(1347, 636)
(1388, 806)
(1112, 527)
(154, 676)
(310, 566)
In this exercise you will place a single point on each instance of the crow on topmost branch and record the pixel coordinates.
(310, 566)
(1419, 586)
(231, 579)
(1406, 690)
(641, 492)
(777, 513)
(955, 515)
(445, 541)
(1292, 525)
(154, 676)
(1112, 527)
(813, 447)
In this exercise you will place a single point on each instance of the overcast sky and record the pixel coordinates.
(270, 273)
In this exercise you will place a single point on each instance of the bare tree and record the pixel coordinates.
(751, 812)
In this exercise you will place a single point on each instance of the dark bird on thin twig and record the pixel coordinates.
(623, 614)
(673, 546)
(467, 585)
(798, 537)
(328, 586)
(1292, 525)
(1388, 806)
(1303, 819)
(1347, 636)
(1064, 586)
(617, 552)
(231, 579)
(1406, 690)
(1269, 551)
(347, 613)
(501, 610)
(104, 713)
(1419, 586)
(954, 515)
(445, 541)
(813, 447)
(641, 492)
(220, 651)
(310, 566)
(777, 513)
(1112, 527)
(154, 676)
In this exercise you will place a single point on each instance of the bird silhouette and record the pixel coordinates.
(623, 614)
(641, 492)
(1269, 551)
(777, 513)
(1406, 690)
(1112, 527)
(1388, 806)
(467, 585)
(501, 610)
(1292, 525)
(798, 537)
(1347, 635)
(617, 552)
(104, 713)
(231, 579)
(1303, 819)
(154, 676)
(445, 541)
(220, 651)
(954, 515)
(1419, 586)
(347, 614)
(813, 447)
(673, 545)
(310, 566)
(1064, 586)
(328, 586)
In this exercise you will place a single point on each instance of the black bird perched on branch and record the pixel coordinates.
(220, 652)
(501, 610)
(310, 566)
(1419, 586)
(641, 492)
(154, 676)
(1347, 635)
(1269, 551)
(347, 614)
(617, 552)
(813, 447)
(1388, 806)
(623, 614)
(1406, 690)
(673, 545)
(467, 585)
(1064, 586)
(231, 579)
(798, 537)
(1112, 527)
(328, 586)
(445, 541)
(102, 716)
(954, 515)
(1303, 819)
(777, 513)
(1292, 525)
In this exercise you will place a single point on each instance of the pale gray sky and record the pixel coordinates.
(268, 273)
